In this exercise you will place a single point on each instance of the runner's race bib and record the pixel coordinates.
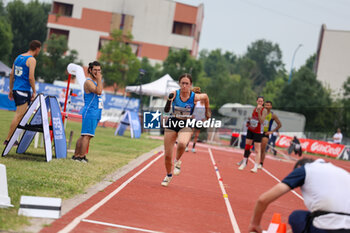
(253, 123)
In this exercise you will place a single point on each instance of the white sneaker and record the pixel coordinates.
(186, 149)
(260, 166)
(254, 169)
(177, 168)
(166, 181)
(193, 150)
(243, 165)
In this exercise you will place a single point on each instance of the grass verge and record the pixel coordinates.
(30, 174)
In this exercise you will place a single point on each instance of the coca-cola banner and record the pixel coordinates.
(313, 146)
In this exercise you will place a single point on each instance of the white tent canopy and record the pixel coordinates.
(161, 87)
(4, 69)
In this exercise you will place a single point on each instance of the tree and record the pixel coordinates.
(152, 72)
(273, 88)
(28, 22)
(120, 64)
(346, 107)
(6, 37)
(268, 58)
(306, 95)
(52, 64)
(180, 62)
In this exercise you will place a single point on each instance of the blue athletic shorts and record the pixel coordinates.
(21, 97)
(89, 127)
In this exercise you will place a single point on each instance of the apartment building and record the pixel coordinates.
(157, 26)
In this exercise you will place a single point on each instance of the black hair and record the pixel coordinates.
(92, 64)
(268, 102)
(260, 96)
(185, 75)
(302, 162)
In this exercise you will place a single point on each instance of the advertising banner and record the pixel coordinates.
(113, 105)
(313, 146)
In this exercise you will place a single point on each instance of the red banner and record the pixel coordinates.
(313, 146)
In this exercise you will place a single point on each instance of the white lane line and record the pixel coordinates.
(274, 177)
(227, 202)
(84, 215)
(119, 226)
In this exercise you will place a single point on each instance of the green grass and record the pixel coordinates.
(30, 174)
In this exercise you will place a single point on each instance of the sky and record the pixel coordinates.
(232, 25)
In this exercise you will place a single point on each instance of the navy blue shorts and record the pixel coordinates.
(89, 127)
(21, 97)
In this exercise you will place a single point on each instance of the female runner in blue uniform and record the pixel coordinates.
(182, 102)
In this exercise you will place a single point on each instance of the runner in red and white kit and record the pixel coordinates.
(254, 134)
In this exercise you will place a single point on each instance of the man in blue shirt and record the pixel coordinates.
(325, 189)
(91, 112)
(21, 81)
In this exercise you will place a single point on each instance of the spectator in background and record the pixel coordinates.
(199, 115)
(62, 97)
(272, 141)
(338, 137)
(325, 189)
(295, 146)
(22, 80)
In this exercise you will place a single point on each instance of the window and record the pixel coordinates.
(122, 22)
(63, 9)
(58, 32)
(185, 29)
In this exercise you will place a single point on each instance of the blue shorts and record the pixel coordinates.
(21, 97)
(89, 126)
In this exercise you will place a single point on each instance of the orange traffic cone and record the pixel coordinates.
(282, 228)
(276, 218)
(275, 223)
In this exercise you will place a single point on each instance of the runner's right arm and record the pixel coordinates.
(169, 101)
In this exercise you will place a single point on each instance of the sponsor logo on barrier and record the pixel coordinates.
(313, 146)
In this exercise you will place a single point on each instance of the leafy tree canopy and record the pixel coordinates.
(120, 64)
(28, 22)
(52, 64)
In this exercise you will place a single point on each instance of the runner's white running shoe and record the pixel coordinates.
(243, 165)
(177, 168)
(193, 150)
(166, 181)
(254, 169)
(260, 166)
(186, 149)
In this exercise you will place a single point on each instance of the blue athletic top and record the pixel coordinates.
(21, 74)
(183, 109)
(92, 105)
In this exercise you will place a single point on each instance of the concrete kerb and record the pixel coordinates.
(36, 224)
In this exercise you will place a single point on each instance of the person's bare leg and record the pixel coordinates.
(20, 111)
(169, 141)
(78, 146)
(182, 140)
(196, 134)
(257, 146)
(264, 142)
(84, 145)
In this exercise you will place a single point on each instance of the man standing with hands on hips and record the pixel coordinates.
(91, 112)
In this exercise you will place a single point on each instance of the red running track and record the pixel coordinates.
(210, 195)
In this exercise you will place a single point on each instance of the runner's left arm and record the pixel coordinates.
(278, 122)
